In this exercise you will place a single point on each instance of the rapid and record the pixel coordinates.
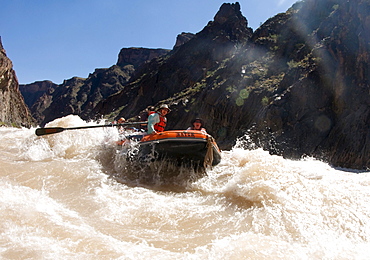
(70, 196)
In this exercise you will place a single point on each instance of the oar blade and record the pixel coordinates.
(48, 131)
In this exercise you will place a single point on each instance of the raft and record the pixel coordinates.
(183, 146)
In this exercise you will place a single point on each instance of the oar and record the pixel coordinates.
(53, 130)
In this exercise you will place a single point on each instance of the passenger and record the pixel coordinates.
(157, 121)
(121, 129)
(197, 124)
(144, 117)
(127, 133)
(121, 120)
(148, 111)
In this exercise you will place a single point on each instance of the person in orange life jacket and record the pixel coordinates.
(157, 121)
(197, 124)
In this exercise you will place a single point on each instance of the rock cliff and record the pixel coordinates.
(13, 110)
(320, 107)
(180, 76)
(79, 96)
(138, 56)
(183, 38)
(34, 91)
(297, 86)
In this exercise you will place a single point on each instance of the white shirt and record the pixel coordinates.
(152, 120)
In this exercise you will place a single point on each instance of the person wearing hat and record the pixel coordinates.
(121, 129)
(144, 117)
(121, 120)
(197, 124)
(157, 121)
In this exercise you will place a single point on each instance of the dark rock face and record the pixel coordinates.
(321, 106)
(13, 110)
(32, 92)
(138, 56)
(179, 77)
(79, 96)
(298, 85)
(183, 38)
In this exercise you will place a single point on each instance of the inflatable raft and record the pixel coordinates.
(184, 146)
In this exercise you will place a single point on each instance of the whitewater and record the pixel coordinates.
(70, 196)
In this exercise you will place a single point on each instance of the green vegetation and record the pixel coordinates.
(265, 101)
(244, 93)
(114, 114)
(306, 62)
(293, 64)
(210, 73)
(258, 79)
(231, 89)
(13, 124)
(239, 101)
(187, 94)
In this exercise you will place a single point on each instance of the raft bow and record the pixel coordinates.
(183, 146)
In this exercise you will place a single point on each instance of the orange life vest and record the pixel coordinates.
(160, 126)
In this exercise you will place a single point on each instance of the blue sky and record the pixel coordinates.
(59, 39)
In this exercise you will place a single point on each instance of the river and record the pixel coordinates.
(68, 196)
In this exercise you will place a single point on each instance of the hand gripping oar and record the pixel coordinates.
(53, 130)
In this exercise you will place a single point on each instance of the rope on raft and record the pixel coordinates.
(208, 159)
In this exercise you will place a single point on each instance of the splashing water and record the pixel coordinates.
(59, 201)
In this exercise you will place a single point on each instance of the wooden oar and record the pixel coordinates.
(53, 130)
